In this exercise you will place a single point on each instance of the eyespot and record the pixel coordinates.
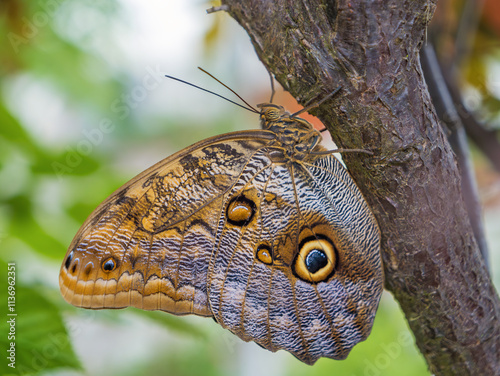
(240, 211)
(109, 265)
(88, 268)
(68, 260)
(264, 254)
(316, 260)
(73, 268)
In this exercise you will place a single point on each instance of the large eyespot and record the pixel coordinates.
(240, 211)
(109, 265)
(264, 254)
(316, 260)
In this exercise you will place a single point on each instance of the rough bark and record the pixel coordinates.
(432, 263)
(448, 113)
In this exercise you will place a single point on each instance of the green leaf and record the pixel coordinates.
(25, 227)
(38, 339)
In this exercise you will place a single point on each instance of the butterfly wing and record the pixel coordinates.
(149, 244)
(232, 227)
(269, 280)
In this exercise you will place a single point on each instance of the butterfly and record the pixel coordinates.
(263, 230)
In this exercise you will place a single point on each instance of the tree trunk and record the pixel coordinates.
(431, 259)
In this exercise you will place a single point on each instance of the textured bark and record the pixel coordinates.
(432, 263)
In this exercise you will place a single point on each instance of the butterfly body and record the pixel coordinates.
(257, 229)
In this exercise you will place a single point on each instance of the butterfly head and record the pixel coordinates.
(270, 112)
(296, 135)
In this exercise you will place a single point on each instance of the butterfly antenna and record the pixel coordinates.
(231, 90)
(272, 88)
(316, 104)
(249, 108)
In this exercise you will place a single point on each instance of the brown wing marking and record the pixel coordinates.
(117, 230)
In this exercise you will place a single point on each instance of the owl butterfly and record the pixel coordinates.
(262, 230)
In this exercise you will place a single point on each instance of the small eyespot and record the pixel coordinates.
(109, 265)
(73, 268)
(264, 254)
(88, 268)
(240, 211)
(316, 260)
(68, 260)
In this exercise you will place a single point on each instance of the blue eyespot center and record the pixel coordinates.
(109, 265)
(315, 260)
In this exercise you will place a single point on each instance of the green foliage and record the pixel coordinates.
(39, 340)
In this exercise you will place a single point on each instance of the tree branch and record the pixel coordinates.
(448, 114)
(432, 262)
(485, 139)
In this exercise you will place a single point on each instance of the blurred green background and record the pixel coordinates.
(84, 107)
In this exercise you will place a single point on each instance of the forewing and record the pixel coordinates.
(149, 244)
